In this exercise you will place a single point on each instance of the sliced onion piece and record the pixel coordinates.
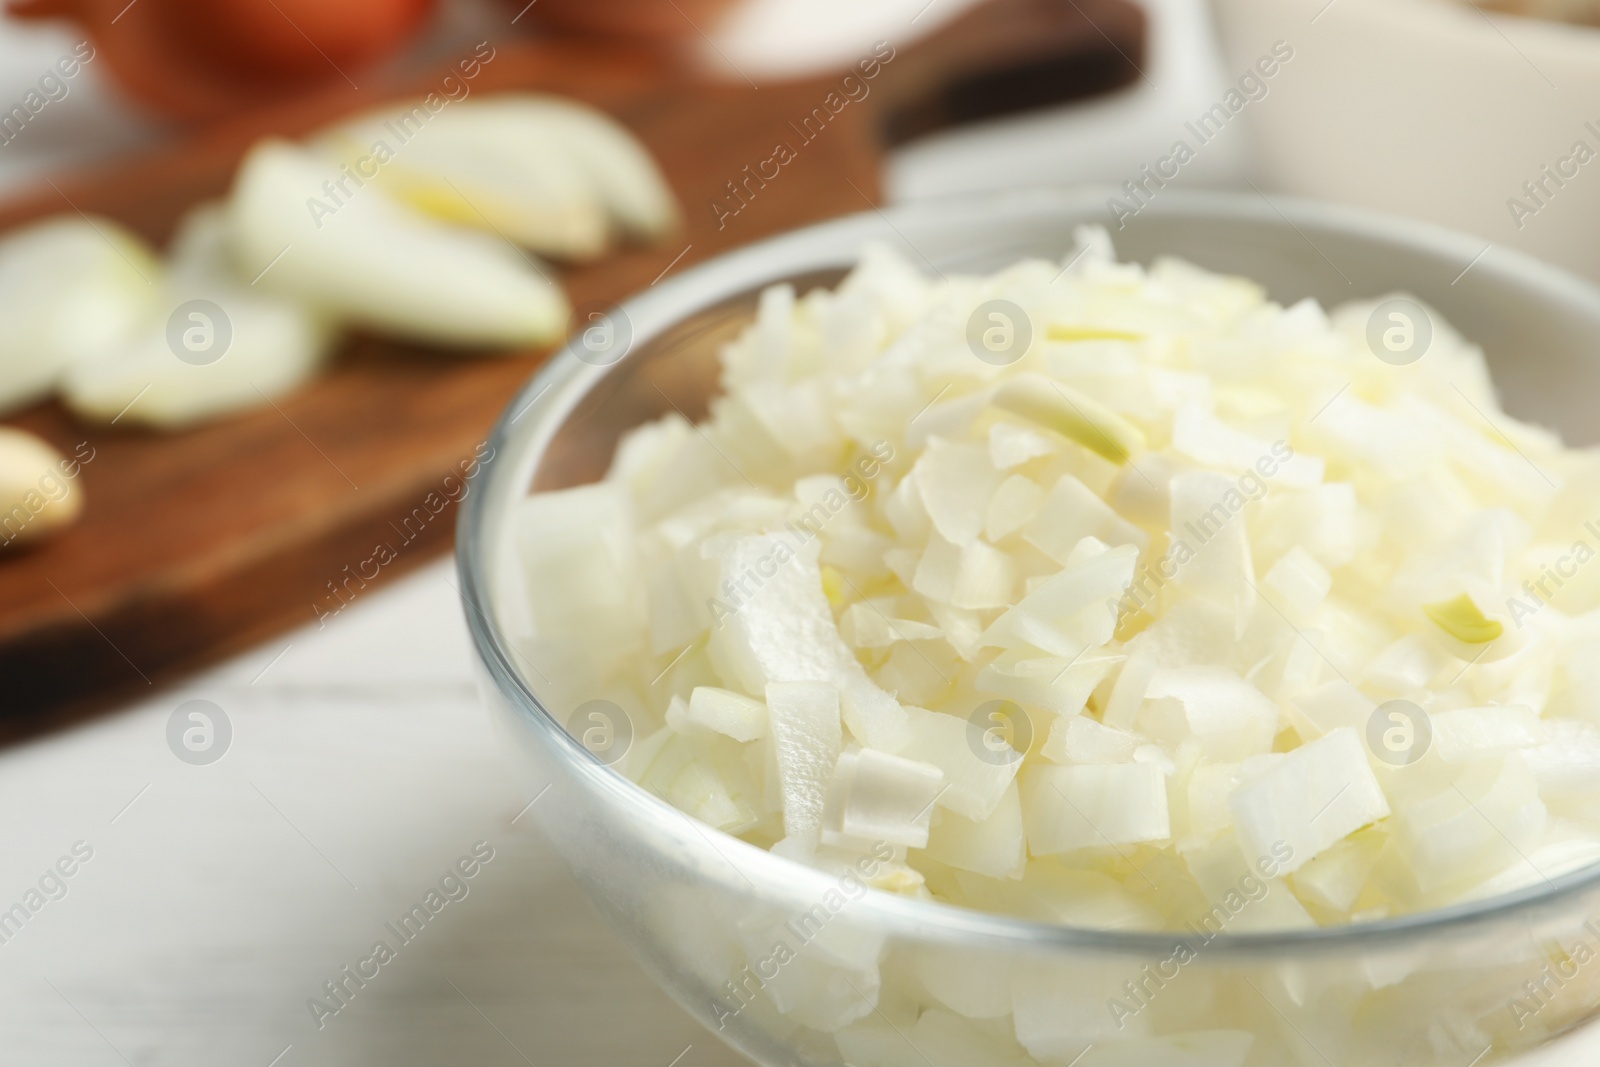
(377, 263)
(72, 289)
(222, 346)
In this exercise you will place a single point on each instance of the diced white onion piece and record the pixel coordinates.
(706, 780)
(1299, 584)
(1141, 492)
(1059, 1011)
(1332, 705)
(1156, 756)
(774, 330)
(879, 797)
(1069, 513)
(872, 1040)
(946, 419)
(962, 628)
(1060, 685)
(974, 783)
(994, 846)
(903, 509)
(1211, 786)
(797, 418)
(1323, 521)
(1093, 806)
(1315, 796)
(1478, 824)
(785, 632)
(960, 1041)
(1080, 739)
(667, 465)
(956, 481)
(1567, 765)
(976, 985)
(1407, 665)
(1246, 896)
(1539, 865)
(577, 550)
(1462, 733)
(675, 620)
(727, 712)
(975, 575)
(1336, 878)
(1014, 504)
(857, 551)
(806, 739)
(865, 625)
(1200, 435)
(1215, 558)
(830, 977)
(1071, 611)
(1012, 446)
(1229, 718)
(1127, 692)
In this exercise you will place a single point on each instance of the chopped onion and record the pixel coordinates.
(874, 796)
(1307, 802)
(1093, 636)
(806, 739)
(1091, 806)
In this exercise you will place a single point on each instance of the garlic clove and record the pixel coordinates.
(37, 494)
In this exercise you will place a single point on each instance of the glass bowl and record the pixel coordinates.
(792, 965)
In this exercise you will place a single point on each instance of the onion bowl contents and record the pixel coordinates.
(1119, 600)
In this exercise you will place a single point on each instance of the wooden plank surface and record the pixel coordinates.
(198, 544)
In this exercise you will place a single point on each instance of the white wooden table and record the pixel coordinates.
(220, 898)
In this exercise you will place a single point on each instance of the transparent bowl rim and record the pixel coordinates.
(831, 244)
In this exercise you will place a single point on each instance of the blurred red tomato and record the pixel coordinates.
(626, 18)
(196, 59)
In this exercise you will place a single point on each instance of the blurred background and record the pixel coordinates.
(1437, 109)
(199, 562)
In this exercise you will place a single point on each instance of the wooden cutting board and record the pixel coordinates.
(197, 544)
